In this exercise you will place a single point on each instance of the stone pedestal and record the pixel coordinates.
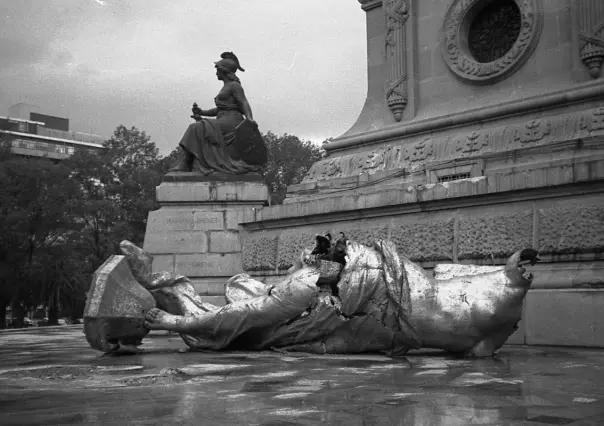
(459, 160)
(195, 232)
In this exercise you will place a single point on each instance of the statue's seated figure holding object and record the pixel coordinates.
(230, 142)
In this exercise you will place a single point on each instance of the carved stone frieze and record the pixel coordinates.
(473, 143)
(259, 253)
(571, 230)
(397, 14)
(533, 132)
(367, 235)
(456, 31)
(591, 34)
(291, 245)
(496, 236)
(419, 151)
(424, 241)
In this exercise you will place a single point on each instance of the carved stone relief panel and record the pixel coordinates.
(571, 230)
(485, 41)
(259, 253)
(425, 240)
(495, 236)
(366, 236)
(418, 150)
(291, 245)
(397, 14)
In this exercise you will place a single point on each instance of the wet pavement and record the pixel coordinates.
(50, 376)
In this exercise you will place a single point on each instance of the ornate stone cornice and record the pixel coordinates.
(370, 4)
(446, 146)
(581, 93)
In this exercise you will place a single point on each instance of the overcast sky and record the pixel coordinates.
(143, 63)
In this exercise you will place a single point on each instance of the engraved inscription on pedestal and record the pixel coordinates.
(209, 265)
(184, 220)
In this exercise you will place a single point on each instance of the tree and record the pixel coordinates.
(289, 160)
(35, 221)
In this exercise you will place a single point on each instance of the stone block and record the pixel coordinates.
(494, 236)
(210, 286)
(163, 262)
(176, 242)
(192, 192)
(259, 252)
(555, 62)
(424, 240)
(116, 306)
(241, 191)
(519, 336)
(572, 229)
(184, 219)
(301, 187)
(425, 64)
(208, 265)
(183, 192)
(236, 215)
(224, 242)
(567, 275)
(565, 317)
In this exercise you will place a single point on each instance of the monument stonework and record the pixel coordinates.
(482, 133)
(196, 230)
(215, 186)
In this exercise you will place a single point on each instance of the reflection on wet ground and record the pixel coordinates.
(50, 376)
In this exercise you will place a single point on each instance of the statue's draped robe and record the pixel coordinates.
(372, 313)
(210, 140)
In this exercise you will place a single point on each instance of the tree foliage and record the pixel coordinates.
(289, 160)
(59, 221)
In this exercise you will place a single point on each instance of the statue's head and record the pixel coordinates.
(327, 249)
(228, 66)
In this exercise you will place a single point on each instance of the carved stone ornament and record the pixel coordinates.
(397, 14)
(485, 41)
(591, 34)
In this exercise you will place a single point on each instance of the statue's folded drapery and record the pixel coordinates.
(210, 141)
(372, 314)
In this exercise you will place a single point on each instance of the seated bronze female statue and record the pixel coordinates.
(209, 145)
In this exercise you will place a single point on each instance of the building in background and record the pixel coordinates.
(34, 134)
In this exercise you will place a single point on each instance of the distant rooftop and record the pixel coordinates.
(26, 119)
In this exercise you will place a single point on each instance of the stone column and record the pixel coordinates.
(196, 233)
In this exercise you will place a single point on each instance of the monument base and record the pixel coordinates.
(195, 232)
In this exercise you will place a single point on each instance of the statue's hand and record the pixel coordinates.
(196, 117)
(196, 110)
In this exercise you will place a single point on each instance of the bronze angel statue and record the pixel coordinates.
(340, 297)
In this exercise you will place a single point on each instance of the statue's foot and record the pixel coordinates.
(156, 319)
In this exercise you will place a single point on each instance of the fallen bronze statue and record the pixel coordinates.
(341, 297)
